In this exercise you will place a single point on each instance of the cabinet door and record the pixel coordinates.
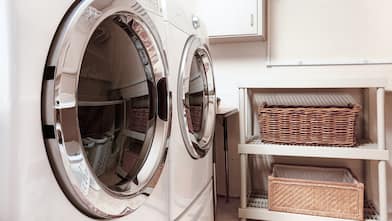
(229, 17)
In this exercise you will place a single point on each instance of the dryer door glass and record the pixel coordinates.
(108, 103)
(197, 98)
(194, 99)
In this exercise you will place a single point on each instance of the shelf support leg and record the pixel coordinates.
(243, 157)
(226, 150)
(382, 172)
(242, 112)
(244, 168)
(381, 118)
(382, 190)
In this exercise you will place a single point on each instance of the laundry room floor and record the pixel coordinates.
(227, 211)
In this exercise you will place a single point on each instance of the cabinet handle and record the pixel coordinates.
(252, 20)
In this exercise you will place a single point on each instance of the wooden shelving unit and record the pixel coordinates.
(256, 207)
(367, 151)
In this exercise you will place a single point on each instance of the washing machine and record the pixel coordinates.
(193, 121)
(89, 113)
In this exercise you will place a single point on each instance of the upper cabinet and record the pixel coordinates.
(233, 18)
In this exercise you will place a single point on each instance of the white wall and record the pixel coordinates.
(330, 31)
(5, 109)
(310, 31)
(236, 63)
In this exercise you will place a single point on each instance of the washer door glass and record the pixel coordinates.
(108, 103)
(197, 103)
(116, 122)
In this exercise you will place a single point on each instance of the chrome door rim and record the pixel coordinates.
(197, 147)
(66, 152)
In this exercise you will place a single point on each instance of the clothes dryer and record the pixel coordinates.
(193, 121)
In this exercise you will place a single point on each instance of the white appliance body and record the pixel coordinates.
(33, 185)
(191, 172)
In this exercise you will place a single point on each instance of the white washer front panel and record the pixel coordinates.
(34, 193)
(154, 6)
(202, 209)
(178, 14)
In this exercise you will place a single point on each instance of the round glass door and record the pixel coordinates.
(197, 101)
(108, 104)
(116, 123)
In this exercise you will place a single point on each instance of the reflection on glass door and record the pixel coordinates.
(195, 96)
(116, 106)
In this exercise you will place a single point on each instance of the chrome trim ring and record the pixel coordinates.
(197, 144)
(60, 108)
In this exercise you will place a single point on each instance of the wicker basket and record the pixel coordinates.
(302, 125)
(196, 116)
(138, 119)
(331, 192)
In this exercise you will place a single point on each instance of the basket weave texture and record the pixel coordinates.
(330, 192)
(196, 116)
(309, 125)
(138, 119)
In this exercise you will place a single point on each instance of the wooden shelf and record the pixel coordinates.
(99, 103)
(363, 152)
(134, 134)
(373, 151)
(258, 209)
(294, 81)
